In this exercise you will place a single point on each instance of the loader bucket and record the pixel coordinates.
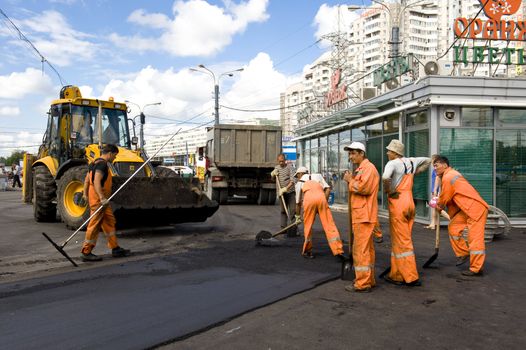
(160, 200)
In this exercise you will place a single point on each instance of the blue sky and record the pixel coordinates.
(142, 51)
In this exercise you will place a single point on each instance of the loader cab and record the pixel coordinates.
(72, 127)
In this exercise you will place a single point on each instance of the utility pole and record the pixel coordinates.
(216, 85)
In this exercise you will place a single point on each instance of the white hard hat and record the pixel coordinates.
(301, 169)
(355, 145)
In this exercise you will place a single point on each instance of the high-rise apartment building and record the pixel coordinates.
(425, 30)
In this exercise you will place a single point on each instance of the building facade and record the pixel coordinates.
(479, 123)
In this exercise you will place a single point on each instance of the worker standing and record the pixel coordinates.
(285, 177)
(466, 208)
(398, 184)
(97, 189)
(363, 208)
(313, 192)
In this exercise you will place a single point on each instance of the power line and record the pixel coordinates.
(22, 37)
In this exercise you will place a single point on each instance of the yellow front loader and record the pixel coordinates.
(76, 130)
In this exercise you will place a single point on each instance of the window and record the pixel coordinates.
(481, 117)
(511, 117)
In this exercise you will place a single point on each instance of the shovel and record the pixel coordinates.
(437, 242)
(267, 239)
(278, 185)
(60, 248)
(346, 271)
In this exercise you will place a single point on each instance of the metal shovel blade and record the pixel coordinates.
(263, 235)
(347, 273)
(431, 259)
(60, 249)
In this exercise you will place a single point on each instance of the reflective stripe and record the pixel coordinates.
(477, 252)
(90, 241)
(362, 268)
(335, 239)
(308, 240)
(109, 234)
(454, 179)
(455, 238)
(403, 255)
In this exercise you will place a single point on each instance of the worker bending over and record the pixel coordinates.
(466, 208)
(313, 192)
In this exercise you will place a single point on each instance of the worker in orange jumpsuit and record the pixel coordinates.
(97, 189)
(398, 184)
(313, 191)
(363, 208)
(466, 208)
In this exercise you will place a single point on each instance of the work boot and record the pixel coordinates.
(90, 257)
(461, 260)
(389, 280)
(415, 283)
(471, 273)
(308, 255)
(340, 258)
(120, 252)
(351, 288)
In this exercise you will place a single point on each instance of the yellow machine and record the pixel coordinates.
(76, 130)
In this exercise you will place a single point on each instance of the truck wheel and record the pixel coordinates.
(263, 197)
(44, 194)
(71, 185)
(223, 196)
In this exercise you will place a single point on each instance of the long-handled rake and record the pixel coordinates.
(60, 248)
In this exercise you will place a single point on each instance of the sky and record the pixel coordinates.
(142, 51)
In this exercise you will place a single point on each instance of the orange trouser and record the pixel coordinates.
(363, 255)
(475, 246)
(377, 232)
(315, 202)
(401, 219)
(104, 220)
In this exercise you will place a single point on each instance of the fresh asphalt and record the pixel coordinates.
(212, 288)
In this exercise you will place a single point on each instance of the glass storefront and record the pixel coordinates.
(488, 147)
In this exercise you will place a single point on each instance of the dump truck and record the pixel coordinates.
(77, 128)
(241, 158)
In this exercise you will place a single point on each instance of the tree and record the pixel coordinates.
(15, 157)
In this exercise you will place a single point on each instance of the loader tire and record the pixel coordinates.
(44, 195)
(72, 182)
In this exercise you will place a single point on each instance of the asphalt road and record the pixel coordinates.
(206, 286)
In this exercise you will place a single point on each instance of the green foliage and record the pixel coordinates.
(15, 157)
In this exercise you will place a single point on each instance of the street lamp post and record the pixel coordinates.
(216, 85)
(142, 120)
(395, 22)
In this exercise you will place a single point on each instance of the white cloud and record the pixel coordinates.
(57, 40)
(9, 111)
(19, 84)
(197, 28)
(326, 19)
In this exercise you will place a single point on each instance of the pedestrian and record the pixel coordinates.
(363, 209)
(435, 188)
(15, 168)
(398, 184)
(312, 191)
(286, 189)
(466, 208)
(97, 190)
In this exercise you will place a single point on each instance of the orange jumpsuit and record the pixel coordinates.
(401, 219)
(104, 219)
(363, 202)
(314, 201)
(466, 208)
